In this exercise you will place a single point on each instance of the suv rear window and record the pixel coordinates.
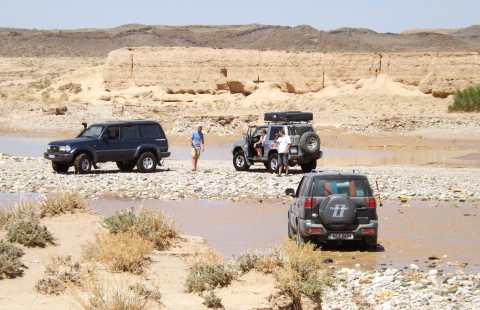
(299, 130)
(150, 131)
(350, 187)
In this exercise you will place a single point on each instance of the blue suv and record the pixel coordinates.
(140, 143)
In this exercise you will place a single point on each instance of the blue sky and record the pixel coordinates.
(378, 15)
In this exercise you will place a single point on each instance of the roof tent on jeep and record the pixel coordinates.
(288, 116)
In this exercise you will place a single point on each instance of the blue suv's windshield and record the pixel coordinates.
(92, 132)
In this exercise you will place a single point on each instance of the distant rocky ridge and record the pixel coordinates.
(99, 42)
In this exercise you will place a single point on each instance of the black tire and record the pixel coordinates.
(147, 162)
(309, 166)
(82, 164)
(290, 232)
(371, 244)
(300, 238)
(337, 212)
(128, 166)
(59, 167)
(240, 162)
(309, 142)
(272, 163)
(266, 165)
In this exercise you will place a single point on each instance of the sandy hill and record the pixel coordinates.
(99, 42)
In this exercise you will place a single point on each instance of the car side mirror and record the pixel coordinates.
(290, 192)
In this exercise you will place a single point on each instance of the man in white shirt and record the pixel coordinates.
(284, 145)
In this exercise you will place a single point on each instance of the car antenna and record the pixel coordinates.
(378, 190)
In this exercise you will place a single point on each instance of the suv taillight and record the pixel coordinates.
(371, 202)
(310, 202)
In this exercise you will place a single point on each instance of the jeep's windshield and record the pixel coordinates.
(92, 132)
(350, 187)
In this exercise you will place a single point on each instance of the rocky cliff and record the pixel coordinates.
(205, 70)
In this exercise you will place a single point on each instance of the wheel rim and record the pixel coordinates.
(311, 143)
(85, 164)
(240, 161)
(147, 163)
(274, 164)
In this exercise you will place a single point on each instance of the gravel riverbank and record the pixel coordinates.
(219, 180)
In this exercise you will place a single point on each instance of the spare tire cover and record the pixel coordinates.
(337, 212)
(309, 142)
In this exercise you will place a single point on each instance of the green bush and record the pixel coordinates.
(208, 276)
(29, 232)
(149, 225)
(10, 265)
(212, 301)
(467, 100)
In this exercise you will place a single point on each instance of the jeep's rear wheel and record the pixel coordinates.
(290, 230)
(371, 243)
(272, 163)
(147, 162)
(59, 167)
(309, 166)
(239, 161)
(301, 239)
(126, 166)
(309, 142)
(82, 164)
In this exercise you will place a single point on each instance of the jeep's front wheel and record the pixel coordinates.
(126, 166)
(59, 167)
(239, 161)
(272, 163)
(147, 162)
(82, 164)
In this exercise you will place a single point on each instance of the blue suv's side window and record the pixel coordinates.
(150, 131)
(130, 132)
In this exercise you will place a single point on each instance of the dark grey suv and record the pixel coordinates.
(140, 143)
(333, 207)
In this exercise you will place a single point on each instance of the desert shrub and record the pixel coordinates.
(207, 276)
(467, 100)
(119, 252)
(266, 262)
(62, 202)
(302, 274)
(212, 301)
(71, 87)
(23, 210)
(10, 265)
(29, 232)
(148, 224)
(59, 274)
(246, 262)
(4, 217)
(113, 297)
(40, 84)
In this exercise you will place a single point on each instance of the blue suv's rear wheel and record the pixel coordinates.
(147, 162)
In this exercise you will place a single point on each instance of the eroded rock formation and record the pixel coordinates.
(205, 70)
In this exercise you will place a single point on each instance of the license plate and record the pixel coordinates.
(340, 236)
(51, 156)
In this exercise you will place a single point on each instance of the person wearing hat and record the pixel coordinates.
(259, 144)
(198, 145)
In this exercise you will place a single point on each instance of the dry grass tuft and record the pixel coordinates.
(59, 274)
(302, 274)
(114, 297)
(23, 210)
(10, 265)
(209, 271)
(151, 225)
(120, 252)
(62, 202)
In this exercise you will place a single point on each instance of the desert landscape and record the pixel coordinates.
(369, 92)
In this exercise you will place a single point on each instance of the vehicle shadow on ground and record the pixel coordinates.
(263, 170)
(346, 247)
(113, 171)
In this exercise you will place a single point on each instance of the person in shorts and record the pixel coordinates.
(197, 142)
(259, 144)
(284, 144)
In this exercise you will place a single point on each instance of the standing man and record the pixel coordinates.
(198, 143)
(284, 145)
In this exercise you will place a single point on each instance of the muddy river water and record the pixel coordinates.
(409, 233)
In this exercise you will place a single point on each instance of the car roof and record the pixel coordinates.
(329, 175)
(129, 122)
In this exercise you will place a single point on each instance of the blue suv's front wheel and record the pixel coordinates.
(240, 162)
